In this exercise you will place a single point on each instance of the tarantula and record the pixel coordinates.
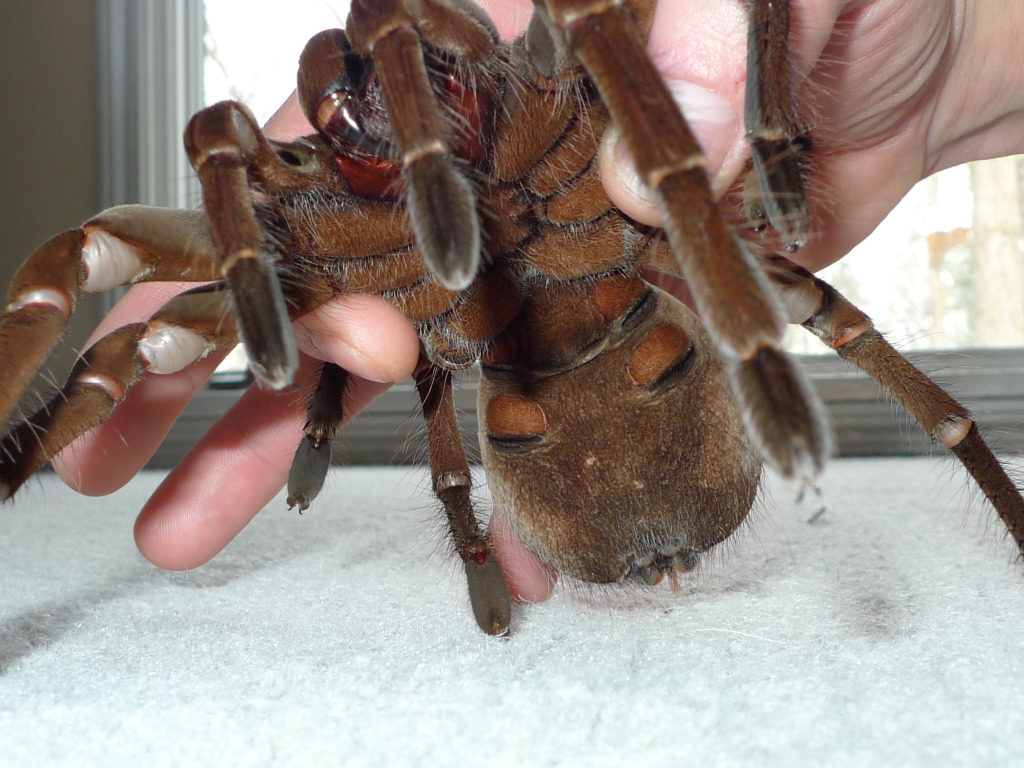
(454, 174)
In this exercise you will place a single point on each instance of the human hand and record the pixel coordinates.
(892, 90)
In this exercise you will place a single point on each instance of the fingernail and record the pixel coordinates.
(712, 120)
(328, 346)
(363, 335)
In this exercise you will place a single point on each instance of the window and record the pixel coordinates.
(252, 57)
(944, 272)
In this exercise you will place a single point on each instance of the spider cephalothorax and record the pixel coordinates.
(455, 175)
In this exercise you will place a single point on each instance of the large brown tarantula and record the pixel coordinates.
(454, 174)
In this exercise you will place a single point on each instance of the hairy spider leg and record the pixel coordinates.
(777, 145)
(826, 313)
(187, 328)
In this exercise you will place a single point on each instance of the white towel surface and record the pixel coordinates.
(886, 632)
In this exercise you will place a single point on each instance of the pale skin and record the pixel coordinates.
(899, 89)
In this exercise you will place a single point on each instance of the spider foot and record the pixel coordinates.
(309, 471)
(782, 413)
(488, 594)
(777, 197)
(323, 420)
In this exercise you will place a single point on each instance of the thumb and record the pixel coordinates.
(716, 125)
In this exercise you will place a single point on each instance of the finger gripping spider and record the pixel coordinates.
(454, 174)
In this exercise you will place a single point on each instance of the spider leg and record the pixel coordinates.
(826, 313)
(779, 195)
(119, 246)
(452, 481)
(323, 420)
(733, 296)
(187, 328)
(231, 157)
(440, 201)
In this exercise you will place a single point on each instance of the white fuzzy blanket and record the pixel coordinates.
(886, 632)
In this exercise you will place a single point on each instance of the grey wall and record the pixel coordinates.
(48, 129)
